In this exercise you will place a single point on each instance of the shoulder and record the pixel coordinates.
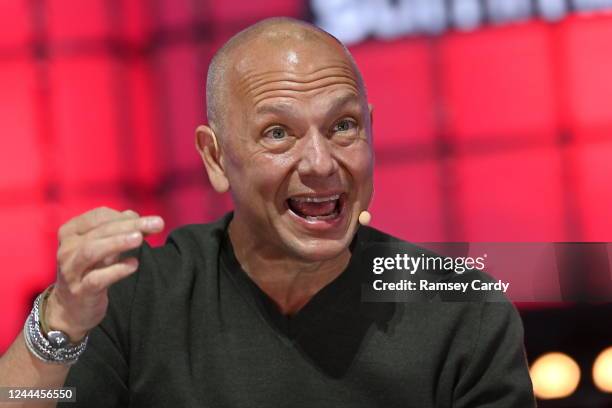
(189, 243)
(166, 274)
(186, 247)
(188, 250)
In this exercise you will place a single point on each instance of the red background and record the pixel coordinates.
(502, 134)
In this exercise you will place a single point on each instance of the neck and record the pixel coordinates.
(288, 280)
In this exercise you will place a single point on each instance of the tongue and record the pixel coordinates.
(313, 209)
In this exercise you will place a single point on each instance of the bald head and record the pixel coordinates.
(273, 35)
(288, 108)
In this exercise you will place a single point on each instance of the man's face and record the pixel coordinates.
(296, 148)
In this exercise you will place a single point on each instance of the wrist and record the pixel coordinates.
(55, 318)
(53, 347)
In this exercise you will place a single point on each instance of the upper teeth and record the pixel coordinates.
(316, 199)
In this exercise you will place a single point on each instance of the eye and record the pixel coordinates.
(344, 125)
(276, 133)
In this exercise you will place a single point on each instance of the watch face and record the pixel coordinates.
(57, 339)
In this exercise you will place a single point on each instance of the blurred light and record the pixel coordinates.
(602, 370)
(503, 10)
(552, 10)
(466, 14)
(353, 21)
(554, 375)
(589, 5)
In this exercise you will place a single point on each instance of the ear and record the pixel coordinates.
(208, 147)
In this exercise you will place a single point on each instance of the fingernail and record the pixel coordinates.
(151, 222)
(131, 263)
(134, 237)
(154, 222)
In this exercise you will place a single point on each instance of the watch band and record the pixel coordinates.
(43, 306)
(53, 346)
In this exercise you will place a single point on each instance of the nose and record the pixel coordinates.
(317, 158)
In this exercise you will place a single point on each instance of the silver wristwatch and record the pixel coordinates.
(54, 346)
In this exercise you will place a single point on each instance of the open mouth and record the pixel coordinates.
(317, 208)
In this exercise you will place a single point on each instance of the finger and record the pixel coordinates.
(146, 225)
(109, 260)
(94, 251)
(100, 279)
(81, 224)
(131, 213)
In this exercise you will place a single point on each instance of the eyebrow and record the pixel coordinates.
(275, 108)
(342, 101)
(285, 108)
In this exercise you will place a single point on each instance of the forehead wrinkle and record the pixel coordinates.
(299, 85)
(250, 80)
(263, 106)
(284, 81)
(285, 89)
(297, 80)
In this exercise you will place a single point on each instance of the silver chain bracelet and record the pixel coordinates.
(53, 347)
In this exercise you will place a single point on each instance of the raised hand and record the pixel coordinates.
(89, 262)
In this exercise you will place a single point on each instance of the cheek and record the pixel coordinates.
(358, 160)
(261, 175)
(273, 171)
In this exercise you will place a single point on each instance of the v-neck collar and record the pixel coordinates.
(334, 301)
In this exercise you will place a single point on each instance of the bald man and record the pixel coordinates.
(263, 307)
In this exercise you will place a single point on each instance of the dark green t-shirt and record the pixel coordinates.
(191, 329)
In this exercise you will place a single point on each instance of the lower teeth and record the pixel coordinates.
(321, 217)
(335, 213)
